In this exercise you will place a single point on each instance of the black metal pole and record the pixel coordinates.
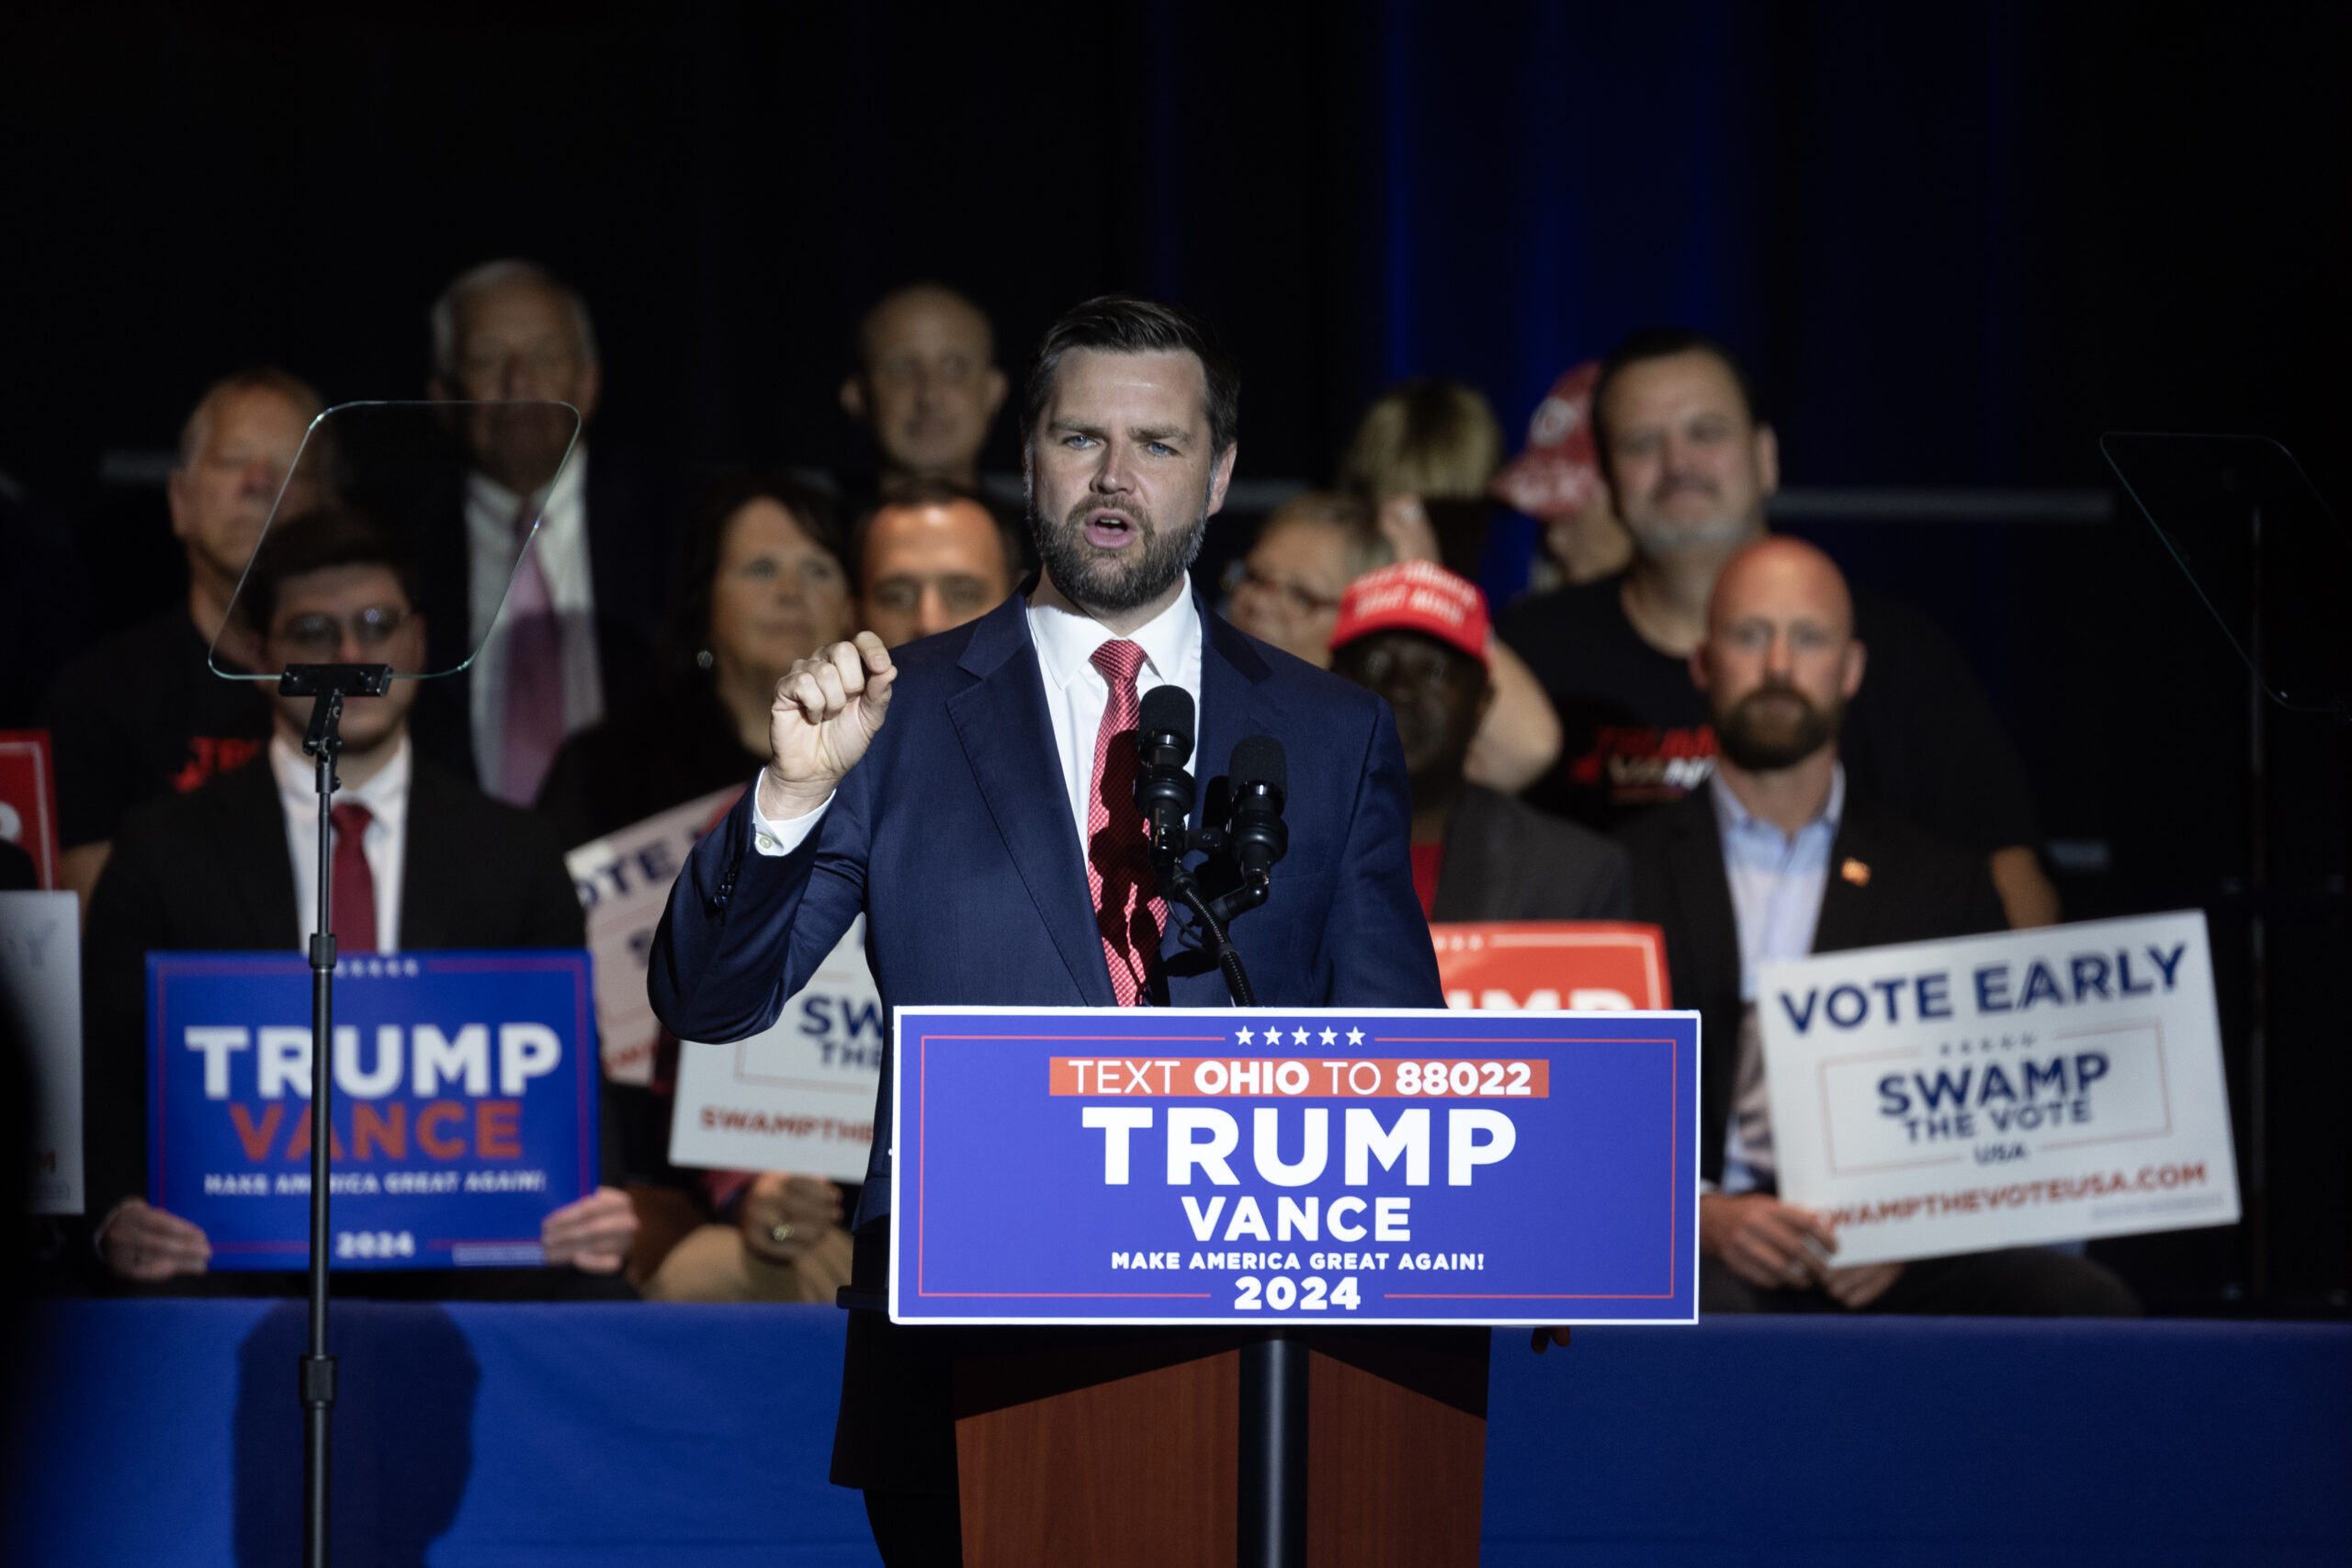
(1272, 1519)
(317, 1370)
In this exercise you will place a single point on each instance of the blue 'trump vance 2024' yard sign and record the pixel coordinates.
(1196, 1166)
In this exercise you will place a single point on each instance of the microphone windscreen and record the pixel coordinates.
(1257, 758)
(1168, 710)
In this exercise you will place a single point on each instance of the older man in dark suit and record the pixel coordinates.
(988, 829)
(422, 860)
(1776, 859)
(1415, 634)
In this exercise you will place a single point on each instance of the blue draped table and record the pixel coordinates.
(166, 1432)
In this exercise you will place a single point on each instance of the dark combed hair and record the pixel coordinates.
(1117, 324)
(811, 508)
(934, 492)
(1663, 343)
(318, 540)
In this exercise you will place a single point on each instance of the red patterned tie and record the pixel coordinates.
(1118, 843)
(355, 884)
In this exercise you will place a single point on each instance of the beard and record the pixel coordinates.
(1764, 741)
(1661, 535)
(1115, 580)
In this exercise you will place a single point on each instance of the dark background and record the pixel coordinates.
(1955, 247)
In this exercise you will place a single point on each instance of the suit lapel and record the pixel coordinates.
(427, 891)
(1009, 740)
(1230, 673)
(256, 870)
(1703, 895)
(1846, 904)
(1472, 875)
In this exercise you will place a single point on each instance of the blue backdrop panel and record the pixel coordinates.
(1924, 1442)
(601, 1436)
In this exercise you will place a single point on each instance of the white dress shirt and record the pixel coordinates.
(1777, 880)
(561, 545)
(1076, 696)
(385, 843)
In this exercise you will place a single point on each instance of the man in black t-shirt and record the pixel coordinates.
(141, 713)
(1689, 465)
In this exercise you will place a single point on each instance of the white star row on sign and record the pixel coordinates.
(1298, 1036)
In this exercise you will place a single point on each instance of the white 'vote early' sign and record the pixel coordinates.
(2005, 1091)
(798, 1095)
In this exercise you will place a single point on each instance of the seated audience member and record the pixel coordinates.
(1557, 481)
(1783, 855)
(231, 865)
(763, 585)
(926, 386)
(573, 639)
(1287, 590)
(931, 557)
(1689, 465)
(1423, 457)
(141, 713)
(1415, 634)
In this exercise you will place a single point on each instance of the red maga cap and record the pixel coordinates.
(1415, 596)
(1559, 474)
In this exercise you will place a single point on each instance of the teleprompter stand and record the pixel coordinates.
(326, 686)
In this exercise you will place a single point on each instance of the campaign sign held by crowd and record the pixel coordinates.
(1195, 1166)
(2035, 1085)
(1547, 965)
(797, 1096)
(624, 880)
(465, 1106)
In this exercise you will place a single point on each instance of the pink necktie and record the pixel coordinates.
(532, 724)
(1118, 843)
(355, 883)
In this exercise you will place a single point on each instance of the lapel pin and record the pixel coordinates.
(1855, 871)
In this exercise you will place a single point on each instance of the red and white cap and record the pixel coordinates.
(1559, 474)
(1415, 596)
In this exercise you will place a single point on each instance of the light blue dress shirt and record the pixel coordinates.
(1777, 880)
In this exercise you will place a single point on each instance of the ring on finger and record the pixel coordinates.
(779, 1232)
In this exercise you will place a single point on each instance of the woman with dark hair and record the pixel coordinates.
(762, 585)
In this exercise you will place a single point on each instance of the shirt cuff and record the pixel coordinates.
(783, 838)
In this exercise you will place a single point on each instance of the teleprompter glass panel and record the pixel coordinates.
(457, 488)
(2261, 548)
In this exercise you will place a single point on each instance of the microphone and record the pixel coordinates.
(1259, 775)
(1163, 789)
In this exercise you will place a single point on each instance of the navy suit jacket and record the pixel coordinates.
(954, 835)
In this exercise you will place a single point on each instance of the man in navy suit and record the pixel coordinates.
(973, 796)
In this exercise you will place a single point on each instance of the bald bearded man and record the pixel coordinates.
(1776, 858)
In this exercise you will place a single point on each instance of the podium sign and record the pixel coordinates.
(464, 1107)
(1215, 1166)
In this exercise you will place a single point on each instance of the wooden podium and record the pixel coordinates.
(1128, 1448)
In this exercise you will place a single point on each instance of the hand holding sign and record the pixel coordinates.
(149, 1245)
(1765, 1241)
(827, 709)
(592, 1234)
(783, 1216)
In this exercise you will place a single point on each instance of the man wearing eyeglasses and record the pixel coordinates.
(422, 860)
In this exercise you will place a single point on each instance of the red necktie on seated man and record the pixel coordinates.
(355, 884)
(531, 727)
(1118, 840)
